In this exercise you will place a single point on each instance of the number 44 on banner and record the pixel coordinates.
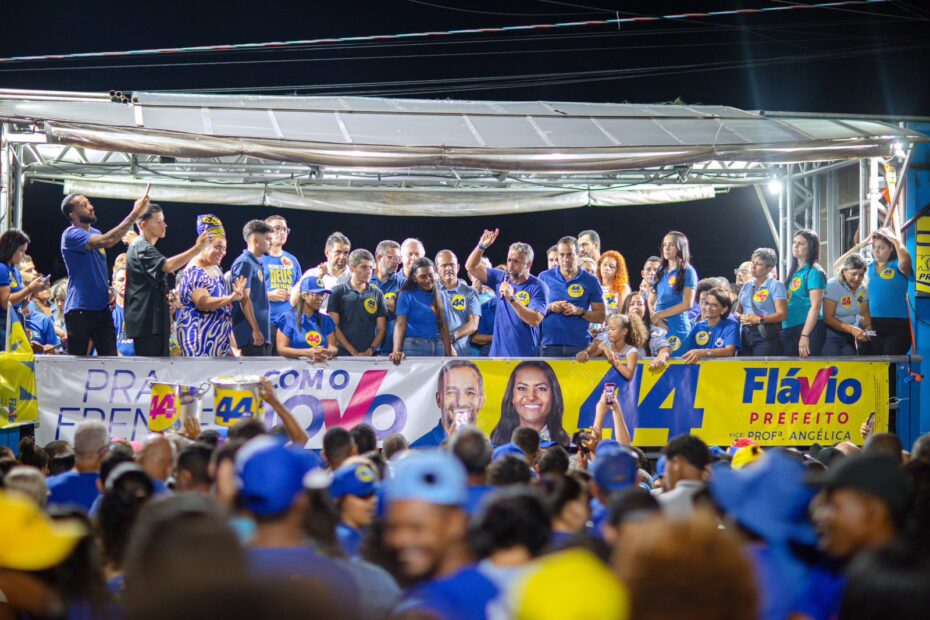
(18, 403)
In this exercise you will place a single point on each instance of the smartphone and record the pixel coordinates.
(47, 278)
(148, 187)
(871, 422)
(610, 390)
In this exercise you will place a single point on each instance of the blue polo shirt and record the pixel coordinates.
(313, 332)
(461, 302)
(41, 329)
(887, 288)
(464, 595)
(512, 336)
(679, 326)
(349, 538)
(88, 285)
(9, 276)
(581, 291)
(721, 335)
(764, 297)
(804, 280)
(250, 267)
(417, 306)
(281, 272)
(485, 325)
(73, 489)
(390, 288)
(849, 304)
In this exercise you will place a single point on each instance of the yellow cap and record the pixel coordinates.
(29, 540)
(550, 590)
(746, 456)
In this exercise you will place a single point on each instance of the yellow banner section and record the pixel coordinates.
(18, 403)
(922, 260)
(774, 403)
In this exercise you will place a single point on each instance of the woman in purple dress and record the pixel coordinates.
(204, 324)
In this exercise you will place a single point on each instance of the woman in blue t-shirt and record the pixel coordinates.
(13, 245)
(307, 332)
(673, 291)
(715, 336)
(889, 273)
(420, 329)
(803, 334)
(846, 311)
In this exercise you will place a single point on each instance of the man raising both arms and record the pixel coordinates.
(87, 305)
(522, 298)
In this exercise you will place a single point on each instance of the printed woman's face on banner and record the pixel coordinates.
(532, 396)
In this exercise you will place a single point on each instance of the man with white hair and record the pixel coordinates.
(78, 487)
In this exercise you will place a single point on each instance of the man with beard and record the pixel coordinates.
(333, 271)
(386, 279)
(589, 245)
(522, 301)
(250, 317)
(87, 306)
(463, 310)
(281, 270)
(459, 397)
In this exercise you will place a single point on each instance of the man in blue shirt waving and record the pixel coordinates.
(522, 298)
(575, 301)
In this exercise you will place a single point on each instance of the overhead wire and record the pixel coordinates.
(480, 12)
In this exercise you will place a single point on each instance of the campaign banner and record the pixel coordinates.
(781, 403)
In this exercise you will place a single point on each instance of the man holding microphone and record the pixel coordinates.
(522, 298)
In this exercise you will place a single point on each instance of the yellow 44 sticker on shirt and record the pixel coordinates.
(575, 290)
(458, 303)
(523, 298)
(371, 305)
(702, 338)
(314, 339)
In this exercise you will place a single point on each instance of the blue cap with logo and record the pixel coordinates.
(358, 479)
(272, 475)
(607, 444)
(614, 469)
(430, 476)
(508, 449)
(311, 284)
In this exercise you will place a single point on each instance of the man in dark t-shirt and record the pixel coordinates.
(358, 309)
(146, 303)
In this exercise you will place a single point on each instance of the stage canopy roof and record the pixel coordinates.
(417, 157)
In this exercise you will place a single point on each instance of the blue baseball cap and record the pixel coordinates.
(770, 499)
(358, 479)
(430, 476)
(547, 444)
(614, 469)
(607, 444)
(272, 475)
(313, 285)
(507, 449)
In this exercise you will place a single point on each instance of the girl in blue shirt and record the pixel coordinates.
(803, 334)
(420, 329)
(889, 273)
(673, 291)
(715, 336)
(307, 332)
(13, 244)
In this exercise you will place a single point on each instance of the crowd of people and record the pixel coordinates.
(196, 525)
(397, 302)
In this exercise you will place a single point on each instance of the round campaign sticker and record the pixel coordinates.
(718, 343)
(575, 290)
(795, 284)
(674, 342)
(846, 301)
(364, 474)
(319, 283)
(458, 303)
(390, 296)
(701, 337)
(761, 295)
(371, 305)
(523, 298)
(314, 339)
(672, 280)
(286, 262)
(887, 273)
(860, 296)
(13, 283)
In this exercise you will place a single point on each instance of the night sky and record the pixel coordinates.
(860, 60)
